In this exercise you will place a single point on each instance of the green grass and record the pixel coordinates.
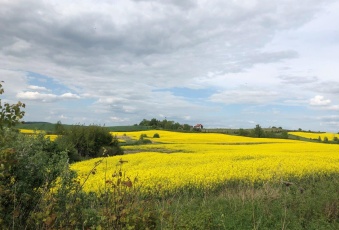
(48, 127)
(307, 204)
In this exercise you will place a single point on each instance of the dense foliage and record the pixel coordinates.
(165, 124)
(29, 167)
(87, 141)
(10, 114)
(259, 132)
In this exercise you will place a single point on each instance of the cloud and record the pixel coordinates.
(44, 97)
(327, 87)
(244, 97)
(295, 80)
(38, 88)
(319, 101)
(18, 47)
(332, 120)
(119, 56)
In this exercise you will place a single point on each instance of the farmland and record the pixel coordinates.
(206, 161)
(315, 136)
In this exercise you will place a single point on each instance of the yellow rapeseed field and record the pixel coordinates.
(52, 137)
(181, 160)
(30, 131)
(309, 135)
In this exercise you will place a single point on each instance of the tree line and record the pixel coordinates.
(259, 132)
(165, 124)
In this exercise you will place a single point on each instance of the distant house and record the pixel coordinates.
(198, 126)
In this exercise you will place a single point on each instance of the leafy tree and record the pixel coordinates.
(144, 122)
(258, 131)
(284, 134)
(88, 141)
(186, 127)
(243, 132)
(10, 115)
(325, 139)
(59, 128)
(154, 123)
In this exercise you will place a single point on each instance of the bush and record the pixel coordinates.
(29, 167)
(156, 135)
(142, 136)
(325, 139)
(87, 142)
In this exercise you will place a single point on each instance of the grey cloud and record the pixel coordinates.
(123, 51)
(250, 96)
(184, 4)
(297, 80)
(331, 87)
(332, 121)
(97, 33)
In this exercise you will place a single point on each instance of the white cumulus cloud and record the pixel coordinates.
(319, 101)
(45, 97)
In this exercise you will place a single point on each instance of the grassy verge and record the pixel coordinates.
(306, 204)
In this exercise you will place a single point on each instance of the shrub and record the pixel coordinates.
(87, 142)
(156, 135)
(29, 167)
(142, 136)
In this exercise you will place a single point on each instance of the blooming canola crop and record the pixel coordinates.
(315, 136)
(202, 160)
(52, 137)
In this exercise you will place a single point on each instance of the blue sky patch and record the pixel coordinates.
(189, 93)
(49, 83)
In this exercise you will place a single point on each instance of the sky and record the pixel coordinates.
(225, 64)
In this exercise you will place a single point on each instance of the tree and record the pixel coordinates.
(154, 123)
(325, 139)
(88, 141)
(144, 122)
(59, 128)
(243, 132)
(10, 115)
(284, 134)
(258, 131)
